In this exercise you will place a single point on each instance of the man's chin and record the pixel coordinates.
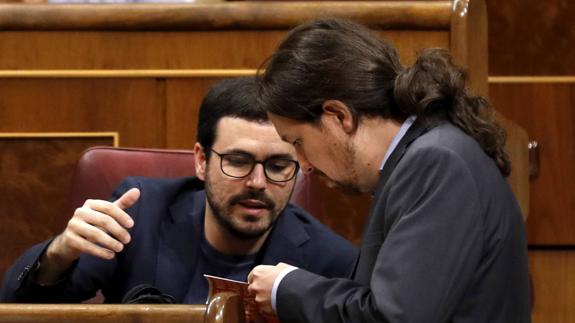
(250, 226)
(249, 233)
(346, 188)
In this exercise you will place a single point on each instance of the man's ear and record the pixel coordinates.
(200, 161)
(338, 113)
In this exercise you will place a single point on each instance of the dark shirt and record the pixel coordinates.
(216, 263)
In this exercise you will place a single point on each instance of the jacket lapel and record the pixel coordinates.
(179, 244)
(415, 131)
(285, 241)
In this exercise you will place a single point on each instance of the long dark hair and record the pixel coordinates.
(341, 60)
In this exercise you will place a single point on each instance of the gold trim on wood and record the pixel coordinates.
(531, 79)
(216, 73)
(18, 135)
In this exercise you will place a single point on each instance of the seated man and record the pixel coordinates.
(169, 232)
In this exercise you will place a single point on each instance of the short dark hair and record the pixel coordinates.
(341, 60)
(235, 97)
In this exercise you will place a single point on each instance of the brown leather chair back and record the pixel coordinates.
(101, 169)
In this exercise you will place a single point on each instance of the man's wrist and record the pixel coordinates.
(51, 268)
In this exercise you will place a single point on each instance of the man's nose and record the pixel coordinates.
(305, 166)
(257, 179)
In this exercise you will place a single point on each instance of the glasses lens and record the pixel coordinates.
(237, 165)
(280, 170)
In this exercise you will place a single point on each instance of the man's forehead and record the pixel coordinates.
(250, 136)
(287, 128)
(238, 121)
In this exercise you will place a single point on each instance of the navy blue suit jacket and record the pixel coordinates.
(165, 246)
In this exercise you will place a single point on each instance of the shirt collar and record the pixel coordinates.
(404, 127)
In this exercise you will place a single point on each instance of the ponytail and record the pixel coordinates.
(433, 89)
(341, 60)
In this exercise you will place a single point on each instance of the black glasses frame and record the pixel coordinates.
(254, 163)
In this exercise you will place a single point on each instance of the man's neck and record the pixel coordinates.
(225, 242)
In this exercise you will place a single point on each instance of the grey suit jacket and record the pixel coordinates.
(444, 242)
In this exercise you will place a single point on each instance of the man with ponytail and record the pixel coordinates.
(445, 239)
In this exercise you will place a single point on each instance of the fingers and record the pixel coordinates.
(257, 271)
(113, 210)
(260, 281)
(98, 228)
(80, 245)
(128, 199)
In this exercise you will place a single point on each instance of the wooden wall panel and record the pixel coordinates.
(183, 97)
(178, 50)
(135, 50)
(553, 278)
(531, 37)
(409, 44)
(127, 106)
(35, 174)
(546, 111)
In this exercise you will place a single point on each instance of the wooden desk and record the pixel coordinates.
(224, 308)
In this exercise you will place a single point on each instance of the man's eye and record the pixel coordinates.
(238, 161)
(279, 165)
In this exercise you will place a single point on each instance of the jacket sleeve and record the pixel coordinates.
(18, 285)
(427, 243)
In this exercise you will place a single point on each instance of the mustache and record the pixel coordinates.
(254, 195)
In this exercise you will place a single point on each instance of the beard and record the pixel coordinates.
(222, 210)
(348, 186)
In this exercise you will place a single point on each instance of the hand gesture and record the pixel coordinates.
(98, 228)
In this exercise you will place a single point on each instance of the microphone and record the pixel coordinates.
(147, 294)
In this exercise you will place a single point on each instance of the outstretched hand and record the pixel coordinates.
(98, 228)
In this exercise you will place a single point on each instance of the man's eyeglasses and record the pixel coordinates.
(239, 165)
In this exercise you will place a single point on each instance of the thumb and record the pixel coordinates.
(128, 199)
